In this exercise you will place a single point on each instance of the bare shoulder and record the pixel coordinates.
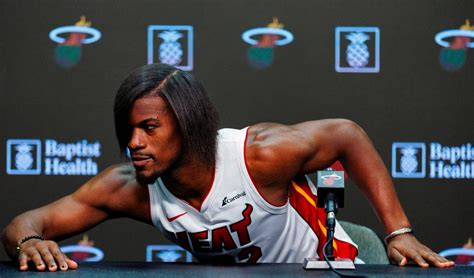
(116, 190)
(275, 152)
(328, 126)
(274, 133)
(267, 138)
(283, 151)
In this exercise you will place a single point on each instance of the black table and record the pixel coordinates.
(142, 269)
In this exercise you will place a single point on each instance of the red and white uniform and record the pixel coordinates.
(236, 224)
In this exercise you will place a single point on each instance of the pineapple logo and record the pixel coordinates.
(452, 56)
(360, 47)
(23, 157)
(408, 160)
(68, 52)
(357, 53)
(171, 44)
(170, 51)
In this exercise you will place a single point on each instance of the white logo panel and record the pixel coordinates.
(172, 45)
(23, 157)
(408, 160)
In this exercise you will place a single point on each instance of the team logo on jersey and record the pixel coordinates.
(68, 52)
(172, 45)
(357, 49)
(226, 200)
(220, 239)
(453, 54)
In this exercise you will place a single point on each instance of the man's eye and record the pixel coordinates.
(150, 127)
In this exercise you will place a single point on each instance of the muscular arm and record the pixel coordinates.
(113, 193)
(277, 153)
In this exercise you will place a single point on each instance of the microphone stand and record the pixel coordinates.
(331, 210)
(331, 204)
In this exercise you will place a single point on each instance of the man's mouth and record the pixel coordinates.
(140, 160)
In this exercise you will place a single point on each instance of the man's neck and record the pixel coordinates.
(191, 181)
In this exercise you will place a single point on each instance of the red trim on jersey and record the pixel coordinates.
(250, 175)
(316, 218)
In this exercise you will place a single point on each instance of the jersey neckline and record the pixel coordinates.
(207, 199)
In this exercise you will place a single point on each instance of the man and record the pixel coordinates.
(228, 195)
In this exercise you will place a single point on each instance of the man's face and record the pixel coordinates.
(155, 142)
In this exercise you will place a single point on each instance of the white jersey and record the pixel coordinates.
(236, 224)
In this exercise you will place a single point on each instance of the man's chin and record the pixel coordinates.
(145, 179)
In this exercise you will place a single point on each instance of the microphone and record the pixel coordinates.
(330, 190)
(331, 198)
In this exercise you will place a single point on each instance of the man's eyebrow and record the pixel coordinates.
(154, 120)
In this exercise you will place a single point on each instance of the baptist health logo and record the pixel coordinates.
(410, 160)
(172, 45)
(357, 49)
(25, 157)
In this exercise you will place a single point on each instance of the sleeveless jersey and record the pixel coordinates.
(236, 224)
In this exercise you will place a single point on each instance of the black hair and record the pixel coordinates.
(196, 115)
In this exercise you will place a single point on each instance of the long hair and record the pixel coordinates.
(196, 115)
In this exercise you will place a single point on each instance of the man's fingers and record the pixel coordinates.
(418, 259)
(48, 259)
(71, 264)
(406, 246)
(37, 260)
(59, 257)
(23, 260)
(437, 260)
(46, 255)
(397, 257)
(414, 254)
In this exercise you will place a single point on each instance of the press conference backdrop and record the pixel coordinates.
(401, 69)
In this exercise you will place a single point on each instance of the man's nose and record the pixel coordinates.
(136, 141)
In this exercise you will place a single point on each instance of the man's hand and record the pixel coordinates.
(406, 247)
(45, 255)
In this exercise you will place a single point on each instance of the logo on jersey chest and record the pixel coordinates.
(220, 239)
(226, 200)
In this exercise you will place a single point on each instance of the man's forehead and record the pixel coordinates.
(150, 107)
(150, 103)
